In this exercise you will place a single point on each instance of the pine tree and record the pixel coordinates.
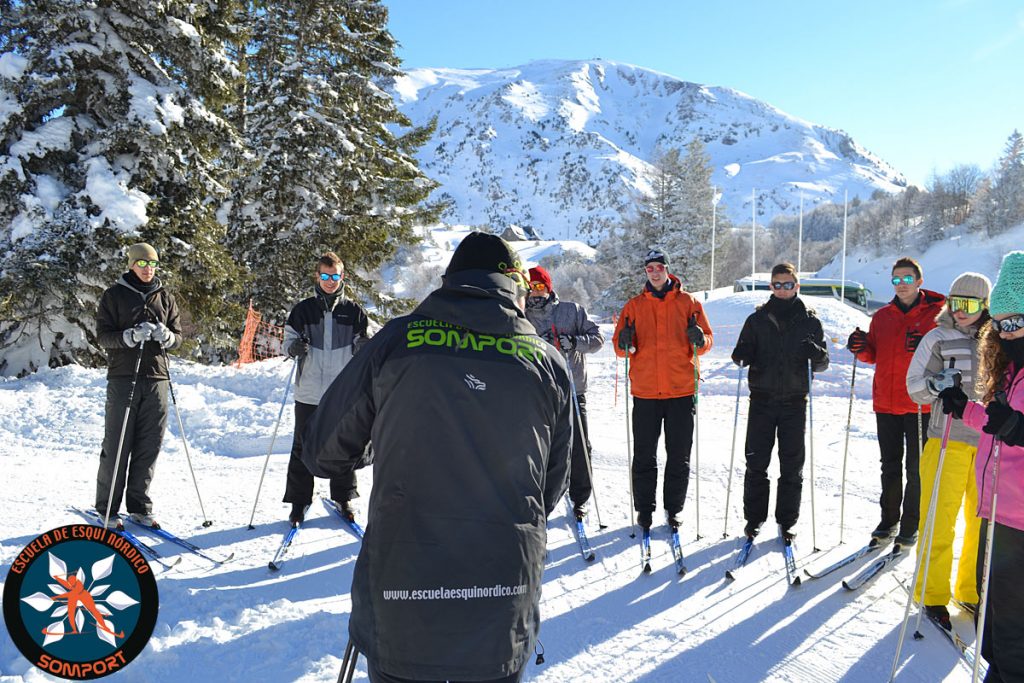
(1004, 205)
(327, 171)
(112, 133)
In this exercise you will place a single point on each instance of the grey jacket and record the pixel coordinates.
(568, 318)
(469, 415)
(335, 328)
(944, 342)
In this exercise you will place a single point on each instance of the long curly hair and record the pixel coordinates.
(992, 364)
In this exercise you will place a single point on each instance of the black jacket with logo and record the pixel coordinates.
(123, 306)
(469, 414)
(771, 342)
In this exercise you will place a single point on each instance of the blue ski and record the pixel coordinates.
(787, 552)
(276, 563)
(677, 552)
(873, 569)
(352, 524)
(581, 533)
(162, 533)
(645, 551)
(94, 518)
(871, 547)
(741, 558)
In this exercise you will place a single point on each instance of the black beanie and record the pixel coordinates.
(655, 255)
(480, 251)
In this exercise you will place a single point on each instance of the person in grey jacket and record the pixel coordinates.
(323, 332)
(469, 413)
(137, 322)
(566, 325)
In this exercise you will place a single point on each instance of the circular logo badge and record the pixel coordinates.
(80, 602)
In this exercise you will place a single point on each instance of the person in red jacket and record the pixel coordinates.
(896, 330)
(659, 329)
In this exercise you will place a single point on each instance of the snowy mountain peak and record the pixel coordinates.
(559, 145)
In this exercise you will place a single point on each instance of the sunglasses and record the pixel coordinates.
(965, 304)
(331, 276)
(142, 263)
(538, 286)
(1011, 324)
(654, 268)
(784, 285)
(905, 280)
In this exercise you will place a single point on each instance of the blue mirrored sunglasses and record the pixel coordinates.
(905, 280)
(328, 276)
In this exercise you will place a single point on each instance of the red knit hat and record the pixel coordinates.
(539, 274)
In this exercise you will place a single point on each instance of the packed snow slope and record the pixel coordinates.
(560, 146)
(602, 621)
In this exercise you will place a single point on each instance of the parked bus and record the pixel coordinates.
(855, 292)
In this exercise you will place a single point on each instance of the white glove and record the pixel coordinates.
(942, 380)
(134, 336)
(162, 335)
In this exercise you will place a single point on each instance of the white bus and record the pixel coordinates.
(855, 292)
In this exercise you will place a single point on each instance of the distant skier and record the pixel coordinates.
(469, 412)
(659, 329)
(137, 318)
(955, 338)
(1001, 369)
(566, 325)
(896, 330)
(323, 332)
(778, 341)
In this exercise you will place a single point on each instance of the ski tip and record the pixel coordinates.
(590, 558)
(228, 558)
(847, 586)
(796, 581)
(273, 567)
(729, 575)
(207, 524)
(647, 569)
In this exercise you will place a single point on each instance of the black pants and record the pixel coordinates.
(896, 433)
(766, 417)
(648, 416)
(1002, 643)
(299, 487)
(579, 473)
(143, 436)
(378, 676)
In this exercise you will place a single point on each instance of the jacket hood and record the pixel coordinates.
(477, 300)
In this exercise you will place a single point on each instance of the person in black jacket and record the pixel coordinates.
(777, 342)
(137, 323)
(323, 332)
(469, 412)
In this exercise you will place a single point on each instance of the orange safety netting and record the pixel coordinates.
(260, 340)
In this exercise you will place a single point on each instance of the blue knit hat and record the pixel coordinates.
(1008, 294)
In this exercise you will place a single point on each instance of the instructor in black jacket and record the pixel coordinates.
(137, 322)
(777, 342)
(469, 414)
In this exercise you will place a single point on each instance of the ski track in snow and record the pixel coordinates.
(602, 621)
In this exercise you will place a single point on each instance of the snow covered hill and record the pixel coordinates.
(559, 145)
(601, 621)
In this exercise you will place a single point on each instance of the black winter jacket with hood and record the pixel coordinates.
(469, 414)
(126, 304)
(771, 342)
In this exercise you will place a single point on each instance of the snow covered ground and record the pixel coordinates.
(601, 622)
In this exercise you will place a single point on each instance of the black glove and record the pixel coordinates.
(695, 334)
(1003, 420)
(810, 350)
(298, 348)
(627, 337)
(912, 339)
(567, 342)
(954, 400)
(742, 355)
(858, 341)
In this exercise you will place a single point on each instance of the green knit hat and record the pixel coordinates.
(1008, 294)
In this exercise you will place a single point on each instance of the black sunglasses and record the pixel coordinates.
(783, 285)
(1011, 324)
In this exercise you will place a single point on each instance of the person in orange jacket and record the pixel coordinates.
(896, 330)
(659, 329)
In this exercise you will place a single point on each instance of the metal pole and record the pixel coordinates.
(696, 433)
(273, 438)
(714, 216)
(732, 453)
(120, 441)
(800, 237)
(810, 436)
(629, 453)
(348, 663)
(753, 237)
(842, 286)
(184, 441)
(846, 452)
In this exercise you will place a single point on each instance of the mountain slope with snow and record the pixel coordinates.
(560, 145)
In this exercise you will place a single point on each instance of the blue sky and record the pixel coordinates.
(925, 85)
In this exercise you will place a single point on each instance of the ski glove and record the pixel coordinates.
(134, 336)
(163, 336)
(627, 337)
(298, 348)
(742, 355)
(695, 334)
(567, 342)
(942, 380)
(954, 400)
(858, 341)
(1005, 423)
(810, 349)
